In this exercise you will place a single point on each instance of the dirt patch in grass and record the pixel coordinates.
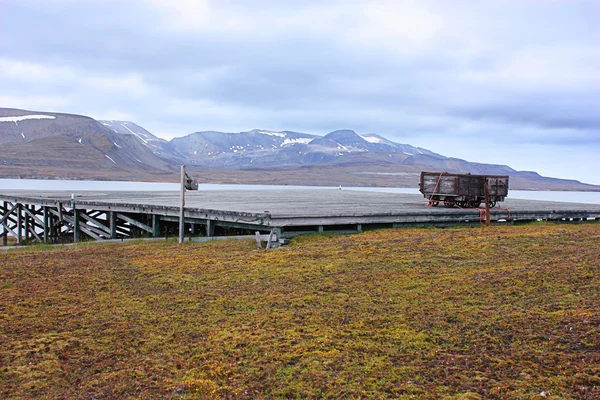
(504, 312)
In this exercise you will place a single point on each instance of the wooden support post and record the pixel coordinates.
(112, 216)
(359, 228)
(76, 225)
(19, 225)
(210, 228)
(46, 225)
(258, 245)
(155, 225)
(487, 203)
(26, 221)
(320, 229)
(271, 237)
(182, 211)
(4, 228)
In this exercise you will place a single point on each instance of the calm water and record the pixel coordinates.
(71, 185)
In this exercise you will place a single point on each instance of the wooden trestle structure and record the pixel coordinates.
(51, 224)
(57, 217)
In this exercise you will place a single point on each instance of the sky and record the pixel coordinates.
(504, 82)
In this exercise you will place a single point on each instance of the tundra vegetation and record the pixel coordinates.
(500, 313)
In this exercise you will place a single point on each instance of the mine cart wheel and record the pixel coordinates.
(434, 203)
(449, 202)
(492, 204)
(475, 203)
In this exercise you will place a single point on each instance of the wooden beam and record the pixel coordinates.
(210, 228)
(7, 214)
(34, 217)
(112, 216)
(46, 227)
(155, 225)
(134, 222)
(34, 233)
(95, 233)
(19, 224)
(26, 221)
(10, 229)
(98, 224)
(4, 228)
(270, 238)
(76, 225)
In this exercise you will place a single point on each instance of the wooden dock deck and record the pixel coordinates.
(51, 215)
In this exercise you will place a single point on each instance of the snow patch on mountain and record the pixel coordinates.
(25, 117)
(372, 139)
(139, 136)
(294, 141)
(270, 133)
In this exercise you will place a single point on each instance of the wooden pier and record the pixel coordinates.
(58, 216)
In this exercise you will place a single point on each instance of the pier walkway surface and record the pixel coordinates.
(47, 215)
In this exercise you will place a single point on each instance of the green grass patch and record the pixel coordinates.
(500, 313)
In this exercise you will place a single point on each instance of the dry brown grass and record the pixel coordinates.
(502, 313)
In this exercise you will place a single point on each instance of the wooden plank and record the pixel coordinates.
(46, 227)
(76, 225)
(33, 216)
(19, 224)
(113, 224)
(3, 223)
(7, 214)
(271, 234)
(134, 222)
(210, 228)
(97, 224)
(257, 236)
(155, 225)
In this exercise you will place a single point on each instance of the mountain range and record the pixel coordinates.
(67, 146)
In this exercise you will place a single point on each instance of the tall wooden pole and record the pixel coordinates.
(487, 204)
(181, 212)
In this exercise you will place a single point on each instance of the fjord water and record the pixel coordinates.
(75, 186)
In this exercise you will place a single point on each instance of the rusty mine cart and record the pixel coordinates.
(462, 190)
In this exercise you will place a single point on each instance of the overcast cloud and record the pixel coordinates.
(509, 82)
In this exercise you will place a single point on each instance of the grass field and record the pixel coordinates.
(501, 313)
